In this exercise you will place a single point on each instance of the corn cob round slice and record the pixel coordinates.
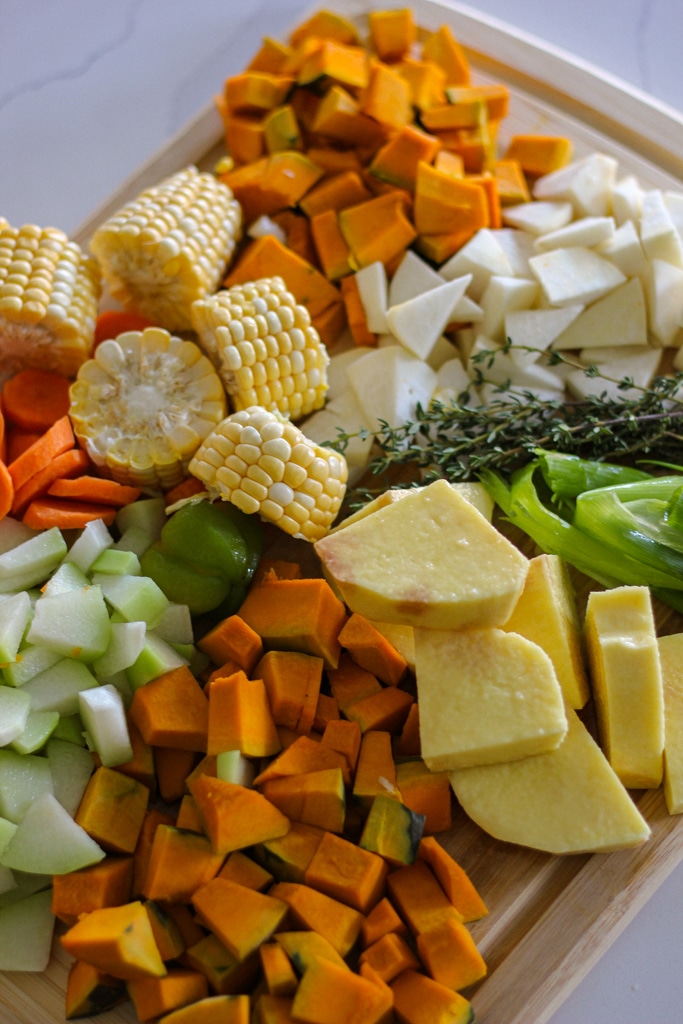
(170, 246)
(264, 464)
(143, 404)
(49, 294)
(264, 346)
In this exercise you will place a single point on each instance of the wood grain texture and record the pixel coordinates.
(559, 912)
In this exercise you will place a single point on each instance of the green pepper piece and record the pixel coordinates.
(201, 534)
(183, 582)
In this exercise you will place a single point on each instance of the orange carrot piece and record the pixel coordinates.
(95, 489)
(112, 322)
(232, 639)
(70, 462)
(17, 441)
(57, 439)
(6, 491)
(44, 513)
(185, 489)
(172, 711)
(35, 399)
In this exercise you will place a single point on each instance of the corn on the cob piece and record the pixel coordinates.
(264, 346)
(170, 246)
(49, 292)
(264, 464)
(143, 404)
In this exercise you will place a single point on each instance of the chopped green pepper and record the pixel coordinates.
(206, 556)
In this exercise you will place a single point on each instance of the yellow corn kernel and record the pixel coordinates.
(264, 464)
(49, 292)
(170, 246)
(143, 404)
(264, 346)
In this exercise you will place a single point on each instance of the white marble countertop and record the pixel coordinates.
(90, 89)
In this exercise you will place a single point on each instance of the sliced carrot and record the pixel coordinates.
(112, 322)
(6, 491)
(183, 490)
(94, 489)
(17, 441)
(35, 399)
(57, 439)
(70, 462)
(43, 514)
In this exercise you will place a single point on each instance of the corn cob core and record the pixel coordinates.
(264, 346)
(170, 246)
(49, 293)
(143, 404)
(264, 464)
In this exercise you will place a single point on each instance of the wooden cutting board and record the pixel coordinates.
(563, 912)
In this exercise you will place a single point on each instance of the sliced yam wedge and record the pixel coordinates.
(568, 800)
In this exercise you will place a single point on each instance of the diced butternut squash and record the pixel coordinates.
(398, 159)
(152, 997)
(355, 998)
(234, 816)
(369, 649)
(387, 97)
(325, 24)
(381, 920)
(385, 711)
(539, 154)
(349, 682)
(342, 63)
(106, 884)
(287, 857)
(335, 921)
(450, 955)
(419, 898)
(392, 830)
(240, 868)
(347, 872)
(278, 972)
(90, 991)
(167, 934)
(297, 615)
(446, 204)
(421, 1000)
(375, 771)
(255, 91)
(335, 192)
(453, 879)
(225, 974)
(334, 255)
(220, 1009)
(313, 798)
(389, 955)
(445, 51)
(240, 917)
(172, 767)
(427, 82)
(377, 230)
(240, 717)
(179, 862)
(172, 711)
(232, 640)
(392, 32)
(118, 941)
(112, 810)
(303, 755)
(427, 793)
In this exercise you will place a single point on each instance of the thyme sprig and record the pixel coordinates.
(457, 440)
